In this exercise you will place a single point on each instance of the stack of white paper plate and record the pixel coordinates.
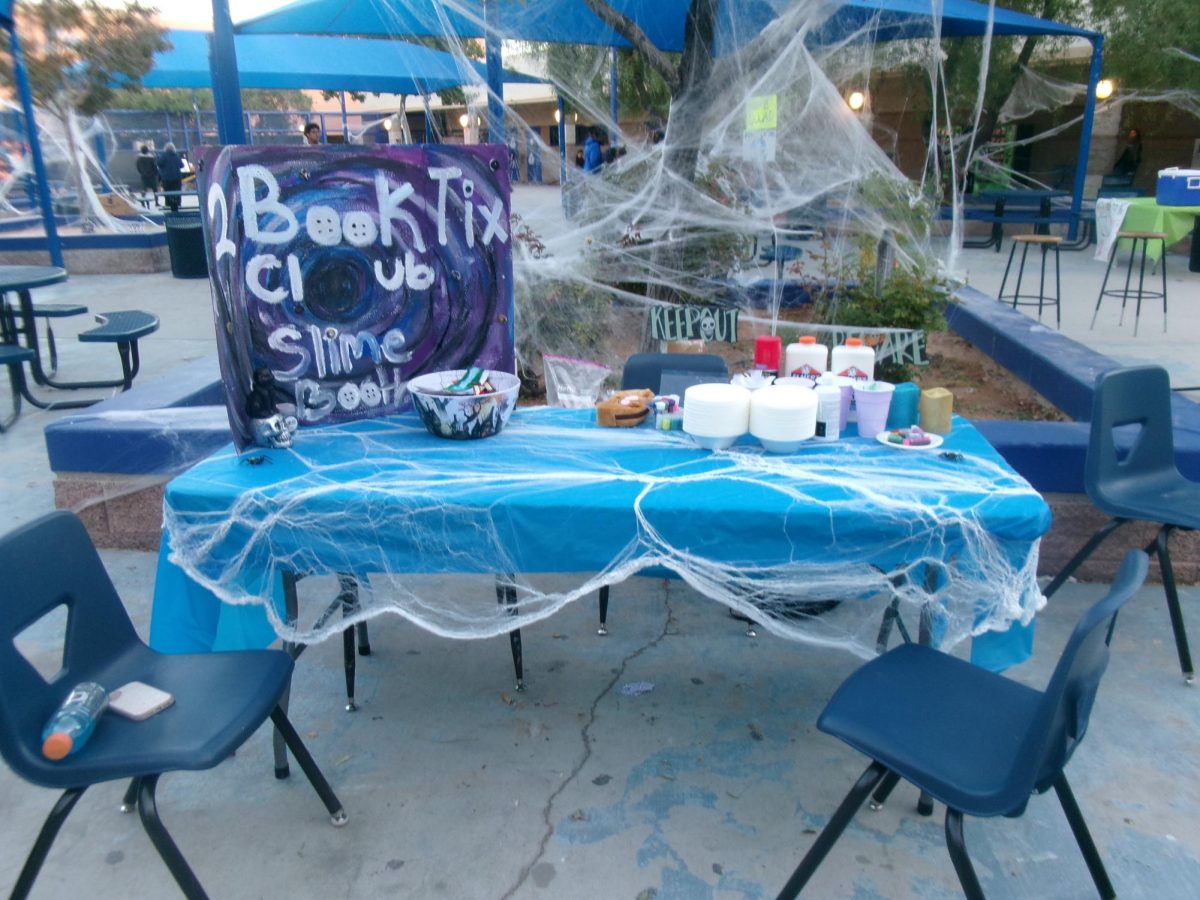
(782, 417)
(716, 415)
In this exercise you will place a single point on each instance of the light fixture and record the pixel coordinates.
(388, 123)
(463, 120)
(1104, 88)
(855, 100)
(557, 116)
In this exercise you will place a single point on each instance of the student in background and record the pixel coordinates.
(312, 133)
(593, 157)
(147, 169)
(170, 173)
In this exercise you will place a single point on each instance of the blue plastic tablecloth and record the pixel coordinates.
(554, 493)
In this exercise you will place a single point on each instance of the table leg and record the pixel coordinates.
(925, 637)
(290, 612)
(1194, 259)
(348, 597)
(506, 593)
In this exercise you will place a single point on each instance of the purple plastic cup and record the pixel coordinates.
(873, 401)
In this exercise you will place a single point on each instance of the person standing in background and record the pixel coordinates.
(170, 173)
(147, 169)
(312, 133)
(593, 158)
(1130, 157)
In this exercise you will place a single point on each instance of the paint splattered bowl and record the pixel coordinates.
(463, 417)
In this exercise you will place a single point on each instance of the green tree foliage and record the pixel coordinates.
(180, 100)
(75, 52)
(1148, 42)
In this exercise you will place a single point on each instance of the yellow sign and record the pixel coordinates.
(762, 113)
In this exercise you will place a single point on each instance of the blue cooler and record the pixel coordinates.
(1178, 187)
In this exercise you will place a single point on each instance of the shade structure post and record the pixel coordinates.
(227, 92)
(495, 78)
(562, 143)
(1085, 137)
(53, 244)
(345, 122)
(612, 95)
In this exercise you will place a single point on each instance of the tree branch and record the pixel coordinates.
(628, 29)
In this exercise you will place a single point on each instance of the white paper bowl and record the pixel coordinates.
(463, 417)
(714, 443)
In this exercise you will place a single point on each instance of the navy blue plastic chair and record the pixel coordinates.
(978, 742)
(1141, 485)
(220, 698)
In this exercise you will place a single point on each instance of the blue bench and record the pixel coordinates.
(123, 328)
(13, 357)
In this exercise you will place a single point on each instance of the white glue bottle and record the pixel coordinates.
(829, 408)
(806, 359)
(854, 359)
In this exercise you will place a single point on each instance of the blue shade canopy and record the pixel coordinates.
(663, 21)
(298, 62)
(6, 12)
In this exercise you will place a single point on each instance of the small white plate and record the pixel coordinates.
(935, 441)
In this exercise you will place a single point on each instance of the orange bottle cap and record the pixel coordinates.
(57, 746)
(808, 339)
(853, 342)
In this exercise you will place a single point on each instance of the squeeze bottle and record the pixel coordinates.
(854, 359)
(829, 408)
(71, 726)
(807, 359)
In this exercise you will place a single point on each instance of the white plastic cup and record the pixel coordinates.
(873, 400)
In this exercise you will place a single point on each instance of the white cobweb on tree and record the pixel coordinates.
(93, 143)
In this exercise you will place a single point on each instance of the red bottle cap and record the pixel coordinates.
(57, 746)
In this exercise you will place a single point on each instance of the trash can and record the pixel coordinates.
(185, 243)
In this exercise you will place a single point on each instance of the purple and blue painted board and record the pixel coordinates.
(347, 271)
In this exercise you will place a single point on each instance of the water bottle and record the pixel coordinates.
(71, 726)
(829, 408)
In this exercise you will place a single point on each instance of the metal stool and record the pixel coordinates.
(1145, 237)
(1045, 242)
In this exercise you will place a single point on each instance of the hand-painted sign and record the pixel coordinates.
(762, 112)
(346, 271)
(690, 323)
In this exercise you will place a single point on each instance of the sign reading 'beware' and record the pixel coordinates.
(346, 271)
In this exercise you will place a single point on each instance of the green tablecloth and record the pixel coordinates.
(1144, 214)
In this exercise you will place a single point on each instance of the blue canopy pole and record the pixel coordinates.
(53, 244)
(227, 91)
(495, 78)
(345, 122)
(196, 113)
(612, 94)
(1085, 138)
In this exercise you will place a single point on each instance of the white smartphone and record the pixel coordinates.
(138, 701)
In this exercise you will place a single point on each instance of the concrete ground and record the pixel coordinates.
(712, 784)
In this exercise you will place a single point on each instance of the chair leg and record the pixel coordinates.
(829, 835)
(1112, 254)
(129, 801)
(283, 726)
(1162, 263)
(164, 844)
(1003, 281)
(1177, 626)
(883, 791)
(1083, 838)
(45, 840)
(958, 855)
(1084, 552)
(603, 629)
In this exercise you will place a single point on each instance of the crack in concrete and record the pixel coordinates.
(585, 736)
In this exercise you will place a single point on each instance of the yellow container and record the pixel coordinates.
(936, 409)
